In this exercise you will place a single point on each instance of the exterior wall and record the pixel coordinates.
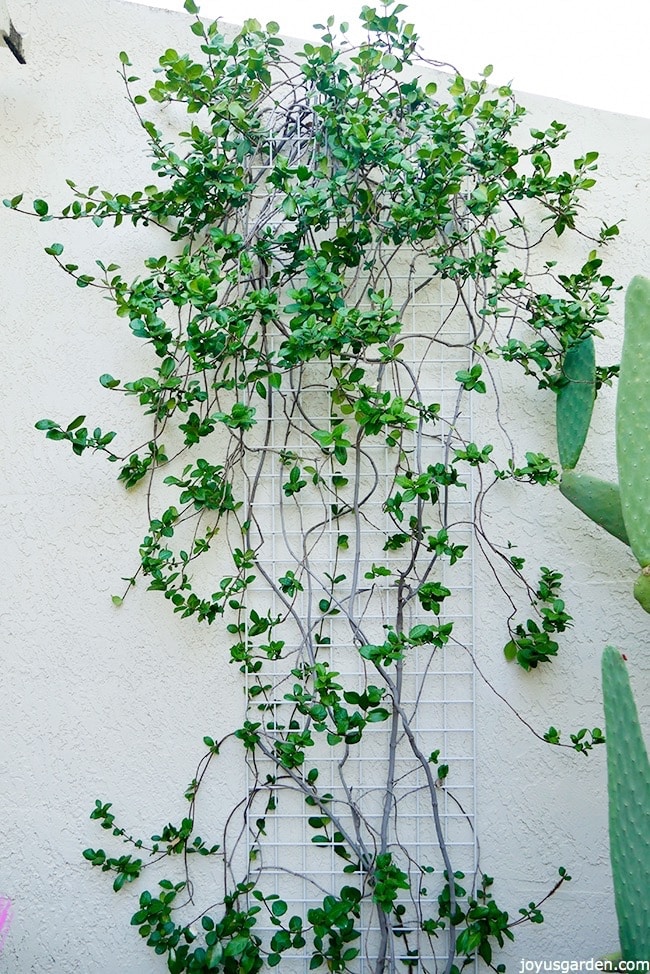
(98, 702)
(539, 808)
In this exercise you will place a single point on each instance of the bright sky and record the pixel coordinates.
(590, 52)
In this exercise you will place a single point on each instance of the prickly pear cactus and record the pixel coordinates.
(575, 401)
(642, 588)
(633, 419)
(628, 779)
(623, 511)
(599, 500)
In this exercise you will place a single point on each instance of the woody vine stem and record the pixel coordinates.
(300, 452)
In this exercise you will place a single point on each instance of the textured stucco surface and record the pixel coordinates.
(100, 702)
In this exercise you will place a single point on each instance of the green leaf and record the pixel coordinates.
(378, 715)
(41, 207)
(323, 437)
(510, 651)
(237, 946)
(117, 599)
(419, 632)
(458, 86)
(237, 111)
(214, 953)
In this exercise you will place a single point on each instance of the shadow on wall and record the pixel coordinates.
(10, 35)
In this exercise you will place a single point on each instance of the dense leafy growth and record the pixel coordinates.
(312, 202)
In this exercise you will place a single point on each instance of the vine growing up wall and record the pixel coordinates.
(341, 236)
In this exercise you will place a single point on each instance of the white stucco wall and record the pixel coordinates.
(100, 702)
(537, 806)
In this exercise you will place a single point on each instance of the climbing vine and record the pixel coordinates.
(339, 233)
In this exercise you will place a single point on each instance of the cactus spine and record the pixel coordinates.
(628, 778)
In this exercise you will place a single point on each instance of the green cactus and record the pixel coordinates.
(575, 401)
(633, 419)
(628, 779)
(598, 500)
(642, 588)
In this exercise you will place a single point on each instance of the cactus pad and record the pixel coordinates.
(597, 499)
(575, 401)
(628, 779)
(633, 419)
(642, 589)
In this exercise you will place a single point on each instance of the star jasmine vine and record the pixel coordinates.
(309, 201)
